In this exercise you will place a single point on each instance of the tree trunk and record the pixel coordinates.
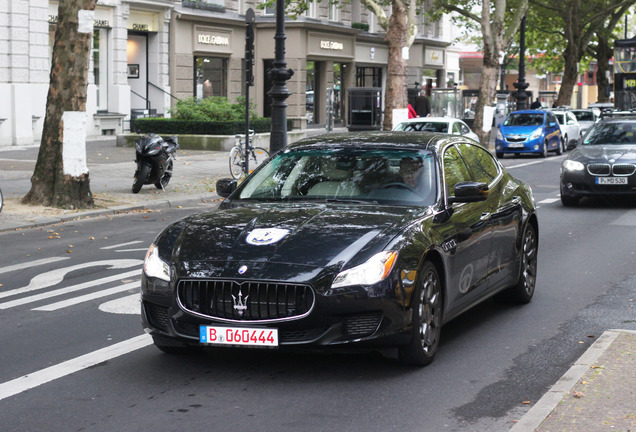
(604, 53)
(60, 178)
(395, 96)
(570, 76)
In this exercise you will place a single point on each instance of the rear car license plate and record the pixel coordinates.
(217, 335)
(611, 180)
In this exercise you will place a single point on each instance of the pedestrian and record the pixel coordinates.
(536, 104)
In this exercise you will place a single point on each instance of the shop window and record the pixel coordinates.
(368, 77)
(210, 77)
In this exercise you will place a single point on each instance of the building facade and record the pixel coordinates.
(147, 54)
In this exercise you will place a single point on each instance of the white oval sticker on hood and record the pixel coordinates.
(266, 236)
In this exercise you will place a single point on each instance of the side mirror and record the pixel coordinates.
(469, 192)
(225, 187)
(552, 124)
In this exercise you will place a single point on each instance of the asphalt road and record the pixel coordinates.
(74, 357)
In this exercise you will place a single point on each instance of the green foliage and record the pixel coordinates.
(214, 108)
(360, 25)
(174, 126)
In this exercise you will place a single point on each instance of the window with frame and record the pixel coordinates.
(210, 77)
(481, 163)
(455, 169)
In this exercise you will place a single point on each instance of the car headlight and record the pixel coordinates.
(570, 165)
(536, 134)
(374, 270)
(499, 135)
(154, 266)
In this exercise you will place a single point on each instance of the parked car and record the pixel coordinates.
(448, 125)
(604, 164)
(570, 127)
(586, 118)
(360, 240)
(529, 131)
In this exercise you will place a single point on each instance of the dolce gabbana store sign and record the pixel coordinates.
(330, 45)
(208, 39)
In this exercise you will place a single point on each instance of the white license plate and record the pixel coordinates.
(217, 335)
(611, 180)
(515, 145)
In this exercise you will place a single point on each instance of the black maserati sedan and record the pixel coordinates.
(371, 239)
(604, 164)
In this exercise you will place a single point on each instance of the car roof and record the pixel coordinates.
(380, 139)
(529, 111)
(430, 119)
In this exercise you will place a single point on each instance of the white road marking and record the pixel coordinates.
(628, 219)
(130, 305)
(53, 277)
(549, 200)
(533, 163)
(35, 379)
(123, 244)
(87, 297)
(132, 250)
(61, 291)
(31, 264)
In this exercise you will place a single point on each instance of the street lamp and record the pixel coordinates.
(521, 85)
(279, 74)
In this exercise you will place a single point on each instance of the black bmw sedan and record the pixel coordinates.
(604, 164)
(366, 239)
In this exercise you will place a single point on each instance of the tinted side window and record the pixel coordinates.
(551, 118)
(480, 162)
(455, 170)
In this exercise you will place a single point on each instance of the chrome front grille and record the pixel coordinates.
(516, 138)
(245, 300)
(602, 169)
(624, 169)
(599, 169)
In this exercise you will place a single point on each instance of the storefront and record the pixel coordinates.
(207, 55)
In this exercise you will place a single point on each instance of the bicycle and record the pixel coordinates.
(257, 155)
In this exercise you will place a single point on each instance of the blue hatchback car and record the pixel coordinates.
(529, 131)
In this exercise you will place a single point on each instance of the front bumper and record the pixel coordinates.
(577, 184)
(527, 146)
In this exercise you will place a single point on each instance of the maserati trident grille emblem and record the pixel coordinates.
(242, 269)
(240, 304)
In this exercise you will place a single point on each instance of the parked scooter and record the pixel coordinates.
(154, 158)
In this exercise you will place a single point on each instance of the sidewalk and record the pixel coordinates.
(598, 393)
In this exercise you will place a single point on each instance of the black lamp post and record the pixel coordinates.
(279, 74)
(521, 85)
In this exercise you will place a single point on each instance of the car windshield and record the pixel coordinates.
(524, 120)
(407, 177)
(439, 127)
(611, 133)
(584, 115)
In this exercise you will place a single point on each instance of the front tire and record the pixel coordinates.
(560, 148)
(544, 150)
(142, 177)
(427, 319)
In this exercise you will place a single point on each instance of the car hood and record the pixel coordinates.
(316, 236)
(618, 153)
(518, 130)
